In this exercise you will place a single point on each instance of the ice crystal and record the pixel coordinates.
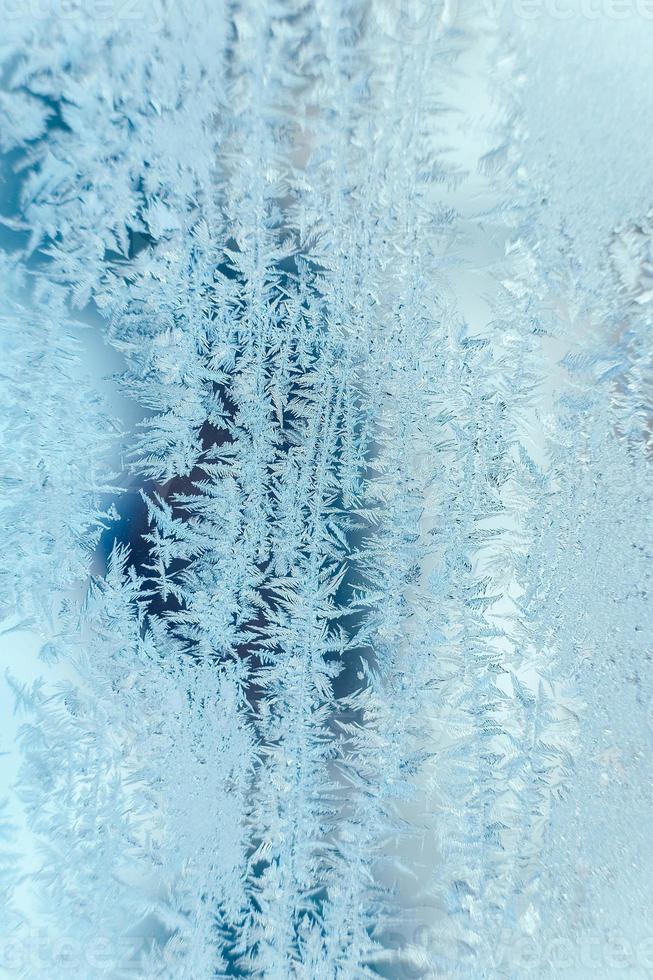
(325, 494)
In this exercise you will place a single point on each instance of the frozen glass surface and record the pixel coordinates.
(325, 401)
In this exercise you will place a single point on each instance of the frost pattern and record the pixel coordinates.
(342, 614)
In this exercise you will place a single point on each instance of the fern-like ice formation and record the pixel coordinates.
(338, 574)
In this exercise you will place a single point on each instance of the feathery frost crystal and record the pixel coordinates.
(326, 373)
